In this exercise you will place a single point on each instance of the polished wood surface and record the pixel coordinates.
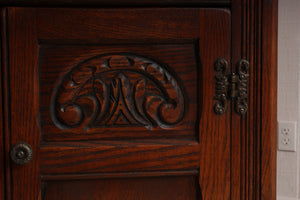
(269, 99)
(177, 85)
(149, 113)
(112, 156)
(125, 188)
(255, 136)
(218, 157)
(2, 143)
(118, 3)
(23, 85)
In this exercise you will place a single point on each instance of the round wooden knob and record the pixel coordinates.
(21, 153)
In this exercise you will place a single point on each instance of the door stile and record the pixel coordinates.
(23, 82)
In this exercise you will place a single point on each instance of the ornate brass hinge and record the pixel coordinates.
(231, 86)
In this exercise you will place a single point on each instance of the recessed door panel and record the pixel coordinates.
(118, 91)
(118, 103)
(159, 188)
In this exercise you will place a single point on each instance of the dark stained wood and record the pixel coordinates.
(112, 156)
(236, 144)
(118, 25)
(251, 127)
(256, 137)
(160, 188)
(269, 99)
(246, 134)
(91, 176)
(157, 35)
(2, 147)
(23, 82)
(215, 146)
(6, 110)
(68, 3)
(128, 123)
(203, 156)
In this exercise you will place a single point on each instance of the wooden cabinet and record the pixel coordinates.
(150, 101)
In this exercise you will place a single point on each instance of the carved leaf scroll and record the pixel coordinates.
(118, 90)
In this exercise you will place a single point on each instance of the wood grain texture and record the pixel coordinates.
(152, 188)
(112, 175)
(245, 135)
(236, 157)
(118, 112)
(68, 3)
(112, 156)
(23, 83)
(86, 157)
(255, 138)
(215, 155)
(212, 30)
(269, 99)
(118, 25)
(251, 135)
(2, 133)
(6, 104)
(237, 182)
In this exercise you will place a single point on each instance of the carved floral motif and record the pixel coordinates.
(115, 90)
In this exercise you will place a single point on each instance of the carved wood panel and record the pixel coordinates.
(51, 55)
(112, 87)
(116, 90)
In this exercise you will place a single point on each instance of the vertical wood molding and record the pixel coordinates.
(253, 141)
(2, 166)
(4, 107)
(237, 181)
(269, 99)
(6, 104)
(251, 50)
(255, 35)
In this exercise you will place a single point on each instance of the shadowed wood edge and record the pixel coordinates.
(77, 3)
(68, 177)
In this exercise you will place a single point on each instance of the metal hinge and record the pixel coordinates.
(231, 86)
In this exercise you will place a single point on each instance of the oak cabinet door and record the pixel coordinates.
(117, 104)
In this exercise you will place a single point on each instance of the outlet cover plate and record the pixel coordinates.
(287, 137)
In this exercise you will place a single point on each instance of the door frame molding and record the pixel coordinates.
(254, 145)
(256, 140)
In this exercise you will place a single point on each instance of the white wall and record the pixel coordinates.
(288, 163)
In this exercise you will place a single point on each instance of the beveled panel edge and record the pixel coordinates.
(130, 116)
(59, 177)
(83, 42)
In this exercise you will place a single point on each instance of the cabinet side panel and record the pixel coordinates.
(269, 99)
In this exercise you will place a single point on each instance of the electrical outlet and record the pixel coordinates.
(287, 136)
